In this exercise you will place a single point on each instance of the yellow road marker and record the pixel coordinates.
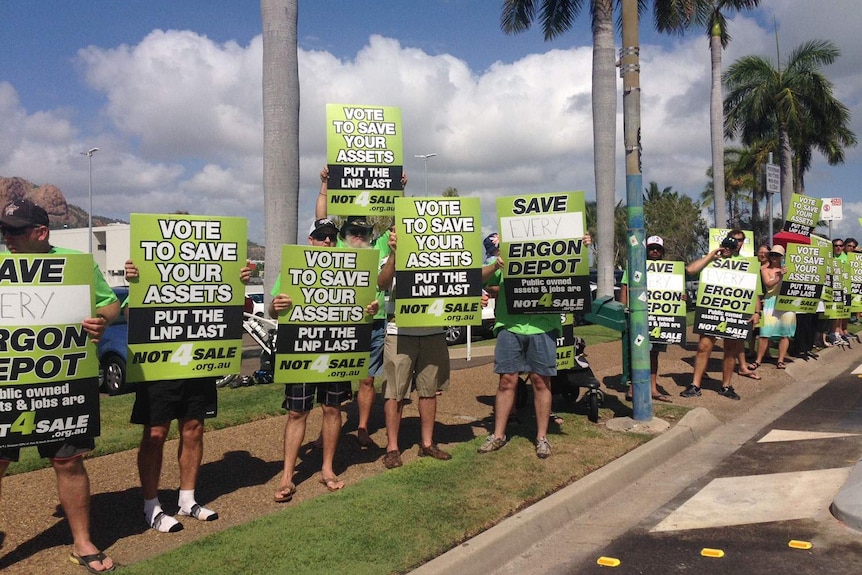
(608, 561)
(707, 552)
(796, 544)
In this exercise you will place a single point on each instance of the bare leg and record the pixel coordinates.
(294, 433)
(73, 487)
(150, 458)
(364, 402)
(762, 348)
(504, 402)
(783, 346)
(427, 415)
(393, 409)
(330, 429)
(732, 348)
(190, 451)
(704, 349)
(542, 401)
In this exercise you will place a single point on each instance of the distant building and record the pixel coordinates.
(110, 248)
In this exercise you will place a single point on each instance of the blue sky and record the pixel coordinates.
(170, 93)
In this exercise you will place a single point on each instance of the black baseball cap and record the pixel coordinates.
(322, 224)
(21, 213)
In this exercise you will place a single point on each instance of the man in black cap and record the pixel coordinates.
(24, 228)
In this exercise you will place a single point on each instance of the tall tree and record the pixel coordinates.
(790, 104)
(712, 14)
(677, 219)
(558, 16)
(280, 129)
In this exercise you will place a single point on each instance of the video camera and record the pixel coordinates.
(729, 243)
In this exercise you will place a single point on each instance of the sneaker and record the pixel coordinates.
(834, 339)
(691, 391)
(492, 444)
(543, 448)
(728, 392)
(435, 452)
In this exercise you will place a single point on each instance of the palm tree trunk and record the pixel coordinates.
(786, 161)
(716, 129)
(280, 130)
(604, 140)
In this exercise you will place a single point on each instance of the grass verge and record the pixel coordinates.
(394, 521)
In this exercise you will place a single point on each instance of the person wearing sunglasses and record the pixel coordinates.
(357, 233)
(299, 397)
(24, 228)
(733, 348)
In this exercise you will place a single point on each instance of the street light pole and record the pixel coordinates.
(89, 153)
(425, 159)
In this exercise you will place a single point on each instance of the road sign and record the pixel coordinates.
(831, 209)
(773, 178)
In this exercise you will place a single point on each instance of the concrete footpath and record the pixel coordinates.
(605, 504)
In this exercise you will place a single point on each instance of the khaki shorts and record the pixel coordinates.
(425, 358)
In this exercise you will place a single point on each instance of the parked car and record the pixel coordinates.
(112, 352)
(258, 307)
(456, 334)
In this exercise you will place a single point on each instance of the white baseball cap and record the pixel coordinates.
(655, 241)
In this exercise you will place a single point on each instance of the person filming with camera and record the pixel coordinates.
(729, 248)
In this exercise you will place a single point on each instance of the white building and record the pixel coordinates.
(110, 248)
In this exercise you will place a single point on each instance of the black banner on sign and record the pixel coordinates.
(311, 338)
(465, 282)
(152, 324)
(354, 177)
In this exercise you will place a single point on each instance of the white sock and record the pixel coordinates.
(189, 507)
(158, 519)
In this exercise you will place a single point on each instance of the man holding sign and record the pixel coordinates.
(24, 227)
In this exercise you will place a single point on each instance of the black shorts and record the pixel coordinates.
(67, 449)
(299, 397)
(159, 402)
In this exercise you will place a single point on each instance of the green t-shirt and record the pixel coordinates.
(521, 324)
(104, 294)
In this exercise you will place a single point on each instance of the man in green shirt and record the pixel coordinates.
(24, 227)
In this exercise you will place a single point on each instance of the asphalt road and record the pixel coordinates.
(747, 490)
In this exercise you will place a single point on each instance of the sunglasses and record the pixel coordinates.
(655, 249)
(837, 245)
(15, 232)
(323, 236)
(357, 232)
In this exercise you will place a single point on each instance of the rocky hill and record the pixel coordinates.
(65, 215)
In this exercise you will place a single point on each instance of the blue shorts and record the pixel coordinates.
(517, 353)
(378, 339)
(299, 397)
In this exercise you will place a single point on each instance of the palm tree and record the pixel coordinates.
(712, 14)
(794, 104)
(280, 129)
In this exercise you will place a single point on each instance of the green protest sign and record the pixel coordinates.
(325, 335)
(854, 264)
(566, 343)
(363, 153)
(49, 369)
(186, 306)
(802, 285)
(438, 264)
(546, 261)
(803, 214)
(727, 297)
(666, 301)
(716, 235)
(836, 307)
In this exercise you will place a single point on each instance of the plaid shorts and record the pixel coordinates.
(299, 397)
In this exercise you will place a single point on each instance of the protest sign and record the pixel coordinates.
(49, 369)
(727, 297)
(546, 262)
(666, 301)
(438, 264)
(802, 285)
(566, 343)
(185, 308)
(325, 335)
(716, 235)
(365, 160)
(803, 214)
(854, 267)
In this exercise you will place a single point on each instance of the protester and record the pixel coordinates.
(157, 403)
(414, 354)
(732, 348)
(24, 228)
(838, 326)
(655, 251)
(299, 397)
(356, 233)
(774, 324)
